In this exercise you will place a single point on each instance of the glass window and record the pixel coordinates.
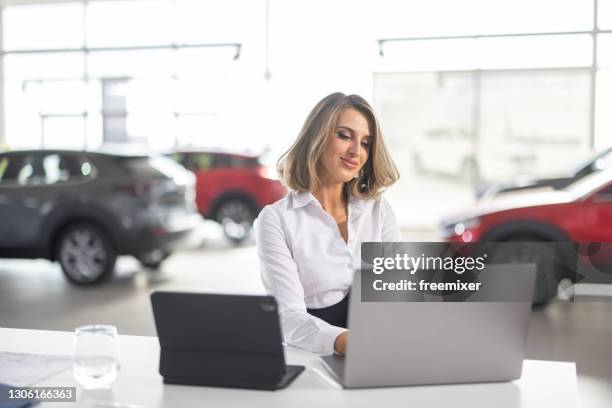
(27, 170)
(222, 161)
(43, 26)
(31, 173)
(141, 168)
(605, 193)
(49, 169)
(533, 122)
(158, 167)
(202, 161)
(129, 23)
(197, 129)
(447, 17)
(4, 161)
(198, 62)
(63, 131)
(529, 122)
(604, 14)
(137, 63)
(488, 53)
(604, 50)
(73, 168)
(44, 66)
(603, 105)
(226, 21)
(56, 97)
(55, 171)
(10, 167)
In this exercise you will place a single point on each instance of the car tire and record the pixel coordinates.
(85, 253)
(236, 217)
(153, 259)
(548, 276)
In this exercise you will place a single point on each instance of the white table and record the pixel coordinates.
(543, 383)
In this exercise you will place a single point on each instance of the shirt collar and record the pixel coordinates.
(300, 200)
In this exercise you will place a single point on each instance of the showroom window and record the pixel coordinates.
(529, 86)
(101, 72)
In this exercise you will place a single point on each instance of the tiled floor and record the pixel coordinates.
(33, 294)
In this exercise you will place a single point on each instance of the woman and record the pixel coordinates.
(309, 243)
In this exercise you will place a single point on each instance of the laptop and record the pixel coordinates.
(221, 340)
(419, 343)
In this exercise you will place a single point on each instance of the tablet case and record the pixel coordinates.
(221, 340)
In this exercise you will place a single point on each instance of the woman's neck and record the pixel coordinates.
(331, 198)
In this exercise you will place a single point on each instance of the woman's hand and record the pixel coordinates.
(340, 343)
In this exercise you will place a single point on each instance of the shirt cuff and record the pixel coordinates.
(327, 337)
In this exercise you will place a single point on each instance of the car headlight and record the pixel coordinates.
(458, 228)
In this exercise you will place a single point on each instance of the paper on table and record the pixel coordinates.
(26, 370)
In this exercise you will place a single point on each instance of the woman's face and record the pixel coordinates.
(348, 149)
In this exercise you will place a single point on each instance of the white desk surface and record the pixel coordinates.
(543, 383)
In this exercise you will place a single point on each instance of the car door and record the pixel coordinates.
(33, 187)
(596, 245)
(20, 192)
(597, 216)
(201, 164)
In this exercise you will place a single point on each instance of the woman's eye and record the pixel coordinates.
(344, 135)
(365, 144)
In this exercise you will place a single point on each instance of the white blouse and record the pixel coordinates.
(305, 263)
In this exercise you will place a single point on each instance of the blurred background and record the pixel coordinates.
(138, 142)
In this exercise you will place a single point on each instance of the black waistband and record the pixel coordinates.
(336, 315)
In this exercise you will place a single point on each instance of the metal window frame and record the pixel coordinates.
(594, 32)
(85, 51)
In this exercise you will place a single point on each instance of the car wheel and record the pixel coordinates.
(153, 259)
(85, 254)
(548, 276)
(236, 218)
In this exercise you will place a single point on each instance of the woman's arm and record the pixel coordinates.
(390, 228)
(280, 277)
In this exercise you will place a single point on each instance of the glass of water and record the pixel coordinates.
(96, 356)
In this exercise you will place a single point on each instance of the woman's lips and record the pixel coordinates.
(349, 162)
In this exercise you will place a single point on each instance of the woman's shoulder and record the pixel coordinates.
(276, 210)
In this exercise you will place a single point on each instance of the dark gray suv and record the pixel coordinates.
(83, 209)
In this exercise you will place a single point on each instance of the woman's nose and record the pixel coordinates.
(353, 148)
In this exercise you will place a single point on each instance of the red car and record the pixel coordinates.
(581, 214)
(230, 188)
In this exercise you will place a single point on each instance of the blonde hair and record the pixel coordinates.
(298, 167)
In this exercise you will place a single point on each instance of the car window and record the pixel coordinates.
(46, 169)
(222, 161)
(4, 163)
(65, 168)
(605, 193)
(234, 162)
(21, 170)
(202, 161)
(154, 168)
(10, 166)
(141, 167)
